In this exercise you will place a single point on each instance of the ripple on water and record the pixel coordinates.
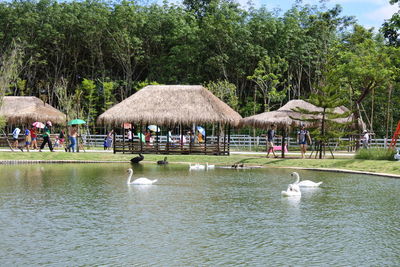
(87, 215)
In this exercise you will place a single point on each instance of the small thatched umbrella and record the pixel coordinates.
(285, 117)
(170, 105)
(27, 109)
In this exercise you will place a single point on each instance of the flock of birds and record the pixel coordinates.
(293, 189)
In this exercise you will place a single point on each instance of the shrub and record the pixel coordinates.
(376, 154)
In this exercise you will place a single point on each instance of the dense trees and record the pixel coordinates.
(84, 56)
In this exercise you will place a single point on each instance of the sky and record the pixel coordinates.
(369, 13)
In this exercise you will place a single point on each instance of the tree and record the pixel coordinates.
(361, 68)
(391, 27)
(268, 76)
(327, 99)
(225, 91)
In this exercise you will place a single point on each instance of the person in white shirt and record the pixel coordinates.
(15, 137)
(365, 139)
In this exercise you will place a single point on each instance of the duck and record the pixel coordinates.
(293, 190)
(209, 166)
(137, 159)
(305, 183)
(139, 181)
(196, 166)
(162, 162)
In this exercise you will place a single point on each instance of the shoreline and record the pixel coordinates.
(16, 162)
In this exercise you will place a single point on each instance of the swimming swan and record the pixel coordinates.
(139, 181)
(293, 190)
(209, 166)
(196, 167)
(305, 183)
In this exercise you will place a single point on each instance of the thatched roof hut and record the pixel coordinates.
(286, 117)
(28, 109)
(171, 105)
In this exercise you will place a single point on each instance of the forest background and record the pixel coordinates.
(84, 56)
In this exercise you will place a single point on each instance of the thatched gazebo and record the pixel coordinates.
(173, 106)
(286, 118)
(28, 109)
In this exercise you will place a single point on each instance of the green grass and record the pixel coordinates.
(380, 166)
(376, 154)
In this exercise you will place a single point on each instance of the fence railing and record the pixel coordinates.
(245, 142)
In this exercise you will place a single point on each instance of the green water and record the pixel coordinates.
(75, 215)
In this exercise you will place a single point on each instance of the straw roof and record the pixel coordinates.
(283, 116)
(28, 109)
(169, 105)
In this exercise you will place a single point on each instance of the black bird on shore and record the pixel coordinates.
(137, 159)
(162, 162)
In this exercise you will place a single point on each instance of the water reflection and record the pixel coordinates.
(69, 214)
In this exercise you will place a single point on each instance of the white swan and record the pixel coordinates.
(397, 156)
(196, 167)
(139, 181)
(305, 183)
(209, 166)
(293, 190)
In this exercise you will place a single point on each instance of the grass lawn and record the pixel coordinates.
(378, 166)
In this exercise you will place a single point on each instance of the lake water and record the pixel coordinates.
(75, 215)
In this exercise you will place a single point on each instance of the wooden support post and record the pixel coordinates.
(123, 139)
(157, 144)
(229, 139)
(283, 142)
(140, 137)
(224, 138)
(218, 129)
(205, 139)
(114, 138)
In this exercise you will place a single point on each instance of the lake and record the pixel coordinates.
(86, 214)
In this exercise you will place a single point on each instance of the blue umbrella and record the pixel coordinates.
(154, 128)
(201, 130)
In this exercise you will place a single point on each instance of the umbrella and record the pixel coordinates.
(76, 121)
(38, 124)
(201, 130)
(127, 125)
(154, 128)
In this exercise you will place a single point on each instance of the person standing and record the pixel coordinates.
(109, 139)
(15, 137)
(34, 138)
(270, 140)
(72, 135)
(28, 139)
(302, 137)
(130, 136)
(365, 139)
(46, 137)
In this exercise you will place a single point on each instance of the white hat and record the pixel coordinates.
(49, 123)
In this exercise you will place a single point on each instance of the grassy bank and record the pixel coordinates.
(378, 166)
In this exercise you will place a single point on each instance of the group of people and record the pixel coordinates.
(304, 138)
(31, 138)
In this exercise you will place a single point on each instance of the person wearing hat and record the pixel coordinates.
(46, 137)
(365, 139)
